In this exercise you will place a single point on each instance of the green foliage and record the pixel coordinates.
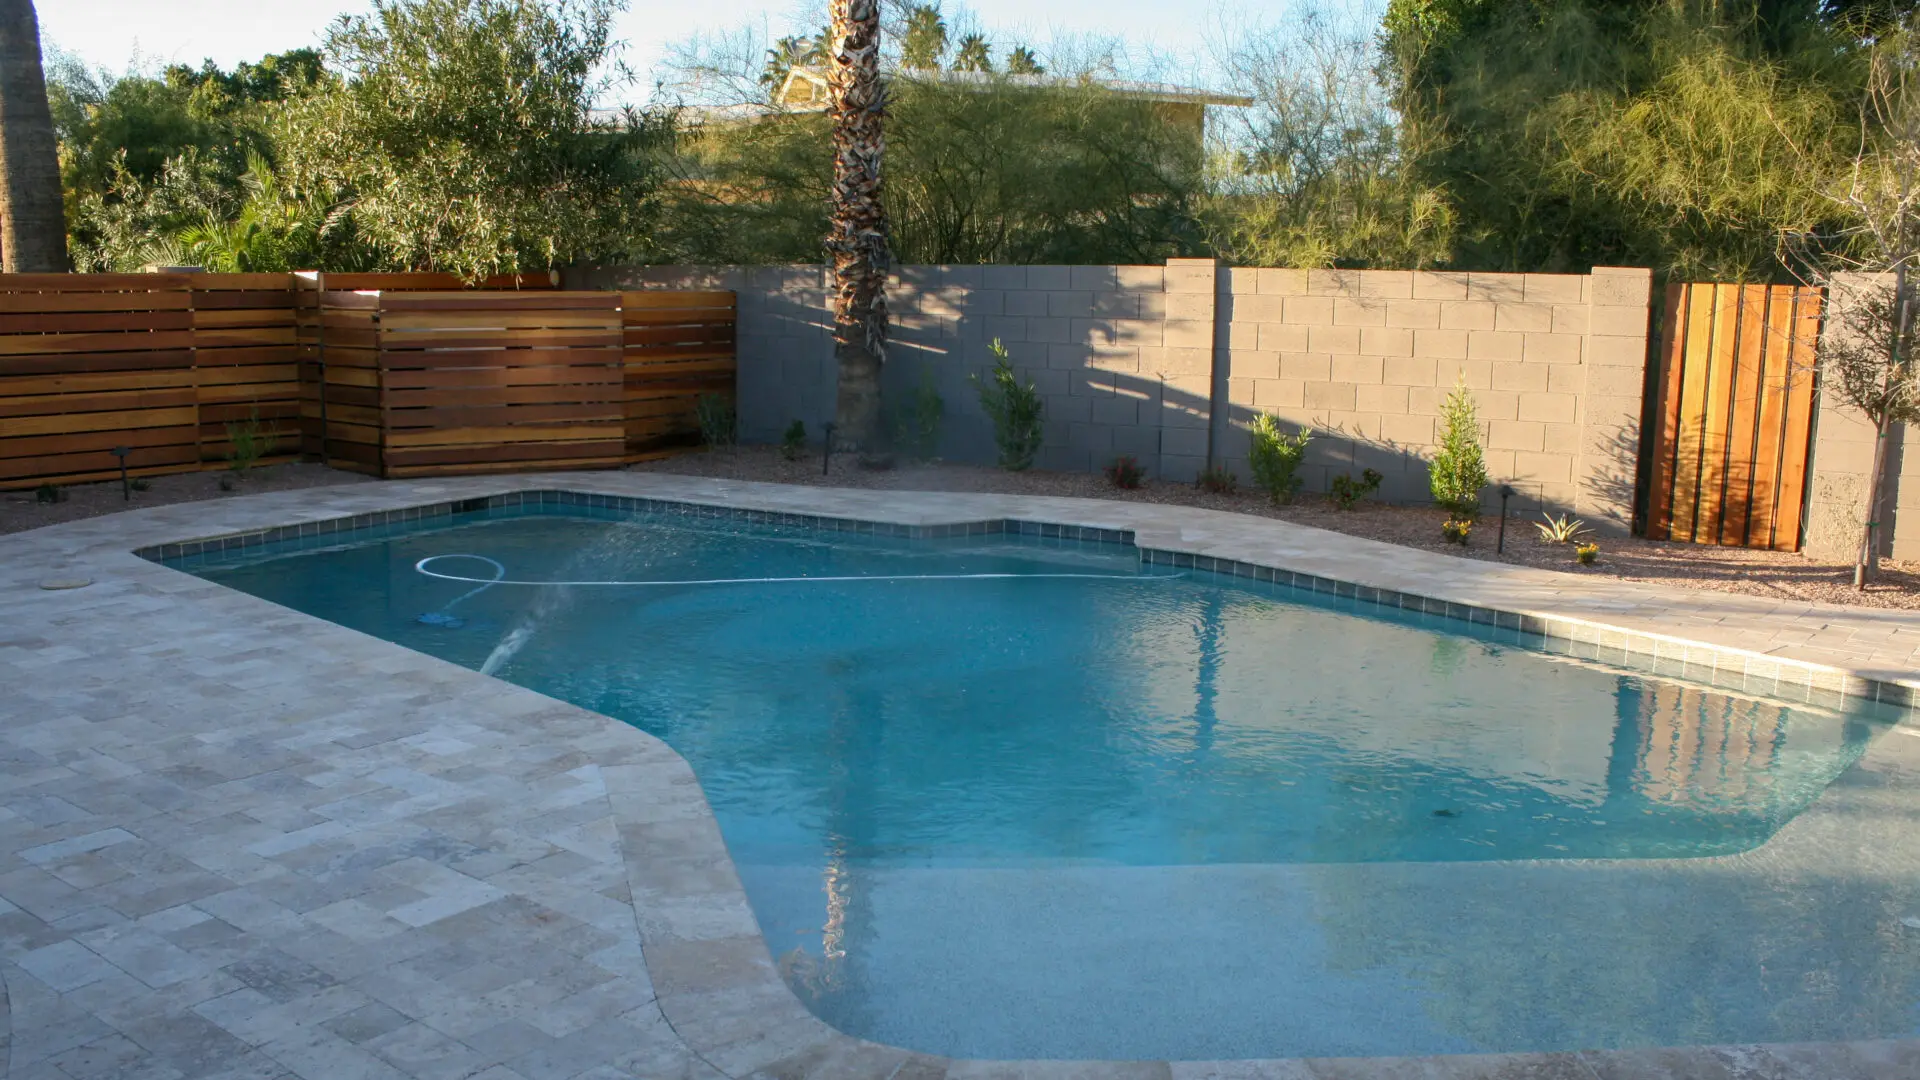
(247, 443)
(49, 492)
(461, 133)
(1586, 554)
(1017, 411)
(1022, 61)
(716, 417)
(923, 40)
(1564, 529)
(140, 483)
(974, 54)
(1274, 457)
(918, 427)
(990, 172)
(1346, 492)
(1217, 479)
(1458, 470)
(1125, 472)
(793, 445)
(1457, 530)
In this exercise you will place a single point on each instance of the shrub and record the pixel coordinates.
(1346, 492)
(247, 444)
(715, 414)
(49, 492)
(1018, 413)
(1125, 472)
(1457, 530)
(1459, 471)
(1219, 480)
(793, 445)
(140, 483)
(1275, 457)
(1560, 530)
(1586, 553)
(920, 426)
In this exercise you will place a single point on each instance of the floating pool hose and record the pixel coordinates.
(443, 617)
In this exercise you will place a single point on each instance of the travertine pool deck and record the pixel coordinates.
(237, 841)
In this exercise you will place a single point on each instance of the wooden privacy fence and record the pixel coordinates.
(1731, 414)
(392, 374)
(157, 363)
(448, 382)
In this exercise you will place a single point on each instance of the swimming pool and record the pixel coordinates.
(1100, 810)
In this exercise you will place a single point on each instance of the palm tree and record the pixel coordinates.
(974, 54)
(857, 242)
(923, 41)
(1022, 61)
(33, 224)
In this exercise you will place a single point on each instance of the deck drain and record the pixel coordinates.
(56, 584)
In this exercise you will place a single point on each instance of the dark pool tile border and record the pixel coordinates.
(1729, 669)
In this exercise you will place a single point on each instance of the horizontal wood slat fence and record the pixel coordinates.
(1732, 414)
(390, 374)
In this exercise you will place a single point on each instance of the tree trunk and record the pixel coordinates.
(857, 243)
(33, 226)
(1868, 557)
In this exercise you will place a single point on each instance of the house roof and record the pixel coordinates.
(805, 84)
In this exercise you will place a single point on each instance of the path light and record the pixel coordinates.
(126, 491)
(1506, 492)
(826, 459)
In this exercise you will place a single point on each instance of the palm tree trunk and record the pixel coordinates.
(857, 243)
(33, 226)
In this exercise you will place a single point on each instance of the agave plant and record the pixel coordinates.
(1564, 529)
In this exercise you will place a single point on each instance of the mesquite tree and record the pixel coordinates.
(33, 226)
(857, 239)
(1866, 356)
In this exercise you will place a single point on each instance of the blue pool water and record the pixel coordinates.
(1085, 808)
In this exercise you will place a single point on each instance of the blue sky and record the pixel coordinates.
(110, 33)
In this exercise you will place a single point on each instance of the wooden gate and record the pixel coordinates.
(1732, 414)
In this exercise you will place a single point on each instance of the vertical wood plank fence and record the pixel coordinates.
(390, 374)
(1732, 414)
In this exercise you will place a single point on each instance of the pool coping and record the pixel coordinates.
(709, 964)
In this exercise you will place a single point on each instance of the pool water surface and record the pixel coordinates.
(1006, 798)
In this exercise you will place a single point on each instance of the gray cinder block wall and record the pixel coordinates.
(1164, 362)
(1842, 458)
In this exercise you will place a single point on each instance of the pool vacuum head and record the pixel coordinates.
(441, 619)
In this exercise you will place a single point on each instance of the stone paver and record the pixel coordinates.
(236, 841)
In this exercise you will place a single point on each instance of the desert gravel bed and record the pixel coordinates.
(1760, 573)
(1782, 575)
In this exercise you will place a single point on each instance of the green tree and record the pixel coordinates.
(923, 38)
(462, 135)
(1022, 61)
(1459, 469)
(974, 54)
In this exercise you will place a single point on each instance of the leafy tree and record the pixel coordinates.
(789, 53)
(974, 54)
(462, 134)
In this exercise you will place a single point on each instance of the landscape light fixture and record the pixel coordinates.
(1506, 492)
(126, 490)
(826, 458)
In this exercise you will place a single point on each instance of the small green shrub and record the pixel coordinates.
(140, 483)
(49, 492)
(1586, 553)
(1274, 456)
(1218, 479)
(793, 445)
(1459, 470)
(1564, 529)
(1018, 413)
(1457, 530)
(226, 483)
(1125, 472)
(246, 443)
(920, 426)
(715, 413)
(1346, 492)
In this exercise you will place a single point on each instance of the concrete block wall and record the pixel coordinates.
(1554, 362)
(1842, 459)
(1169, 363)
